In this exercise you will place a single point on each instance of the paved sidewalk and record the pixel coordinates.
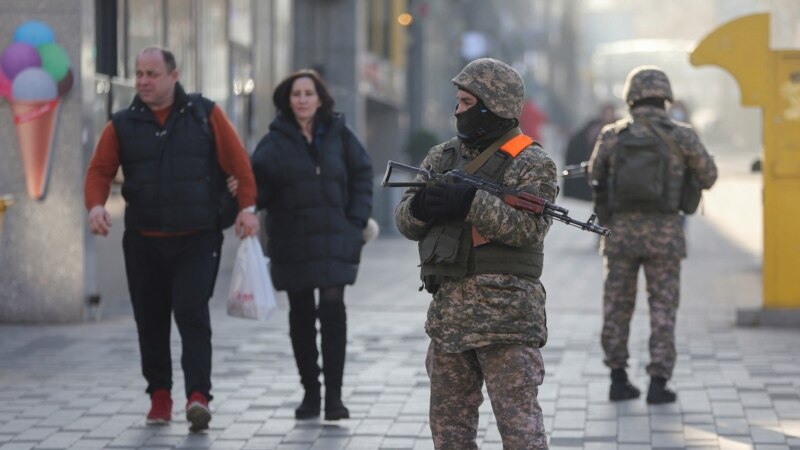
(79, 387)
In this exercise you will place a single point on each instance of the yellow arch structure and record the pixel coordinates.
(769, 80)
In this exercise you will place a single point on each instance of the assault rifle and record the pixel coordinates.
(524, 201)
(575, 170)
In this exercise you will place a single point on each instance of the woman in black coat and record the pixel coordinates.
(315, 180)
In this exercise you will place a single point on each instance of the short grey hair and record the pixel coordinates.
(169, 57)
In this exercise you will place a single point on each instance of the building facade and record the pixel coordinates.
(233, 51)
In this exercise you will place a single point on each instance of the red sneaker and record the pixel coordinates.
(197, 412)
(160, 408)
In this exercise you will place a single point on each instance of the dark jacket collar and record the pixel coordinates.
(288, 127)
(140, 109)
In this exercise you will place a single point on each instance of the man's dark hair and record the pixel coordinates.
(169, 58)
(284, 90)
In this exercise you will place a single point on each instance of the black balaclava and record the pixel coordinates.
(650, 101)
(479, 127)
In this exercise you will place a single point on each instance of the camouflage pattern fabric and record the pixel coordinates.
(496, 83)
(663, 291)
(499, 308)
(650, 234)
(653, 240)
(489, 326)
(513, 374)
(646, 82)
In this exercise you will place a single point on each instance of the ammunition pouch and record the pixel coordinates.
(431, 283)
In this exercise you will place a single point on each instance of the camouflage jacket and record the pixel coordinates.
(485, 309)
(638, 234)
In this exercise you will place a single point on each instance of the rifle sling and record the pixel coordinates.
(481, 159)
(665, 137)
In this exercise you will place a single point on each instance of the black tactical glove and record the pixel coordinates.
(445, 201)
(418, 208)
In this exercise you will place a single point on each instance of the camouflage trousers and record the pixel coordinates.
(512, 373)
(663, 291)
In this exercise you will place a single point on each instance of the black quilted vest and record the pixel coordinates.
(171, 172)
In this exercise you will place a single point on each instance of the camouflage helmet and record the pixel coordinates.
(496, 83)
(646, 82)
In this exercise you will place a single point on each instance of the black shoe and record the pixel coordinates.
(621, 388)
(310, 406)
(658, 393)
(335, 410)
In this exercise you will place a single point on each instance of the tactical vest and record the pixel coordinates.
(641, 176)
(447, 250)
(170, 180)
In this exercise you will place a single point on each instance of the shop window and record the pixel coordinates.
(145, 28)
(181, 39)
(214, 61)
(240, 22)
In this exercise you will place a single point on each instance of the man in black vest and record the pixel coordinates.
(175, 150)
(481, 259)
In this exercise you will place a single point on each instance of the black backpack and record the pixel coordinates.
(691, 189)
(227, 206)
(641, 181)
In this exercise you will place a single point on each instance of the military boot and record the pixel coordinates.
(621, 388)
(658, 393)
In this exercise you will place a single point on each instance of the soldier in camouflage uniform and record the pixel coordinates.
(651, 237)
(487, 318)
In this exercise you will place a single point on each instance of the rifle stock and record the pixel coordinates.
(521, 200)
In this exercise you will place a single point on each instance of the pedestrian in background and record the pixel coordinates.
(315, 181)
(637, 173)
(487, 317)
(175, 150)
(579, 149)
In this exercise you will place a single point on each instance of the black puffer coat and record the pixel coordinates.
(318, 199)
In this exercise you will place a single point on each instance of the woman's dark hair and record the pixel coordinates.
(284, 90)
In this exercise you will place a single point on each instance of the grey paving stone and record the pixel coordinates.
(600, 446)
(35, 434)
(61, 440)
(409, 429)
(425, 444)
(90, 444)
(364, 443)
(374, 427)
(17, 446)
(663, 440)
(302, 435)
(228, 444)
(767, 436)
(739, 443)
(332, 443)
(241, 431)
(94, 387)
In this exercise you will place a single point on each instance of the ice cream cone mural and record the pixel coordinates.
(34, 74)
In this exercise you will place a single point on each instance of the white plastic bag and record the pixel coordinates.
(251, 295)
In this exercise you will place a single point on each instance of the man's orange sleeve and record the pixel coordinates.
(233, 158)
(102, 169)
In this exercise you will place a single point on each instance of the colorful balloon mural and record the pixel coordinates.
(34, 73)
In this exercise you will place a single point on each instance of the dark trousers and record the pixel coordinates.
(303, 314)
(166, 276)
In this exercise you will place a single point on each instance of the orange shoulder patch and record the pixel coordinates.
(516, 144)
